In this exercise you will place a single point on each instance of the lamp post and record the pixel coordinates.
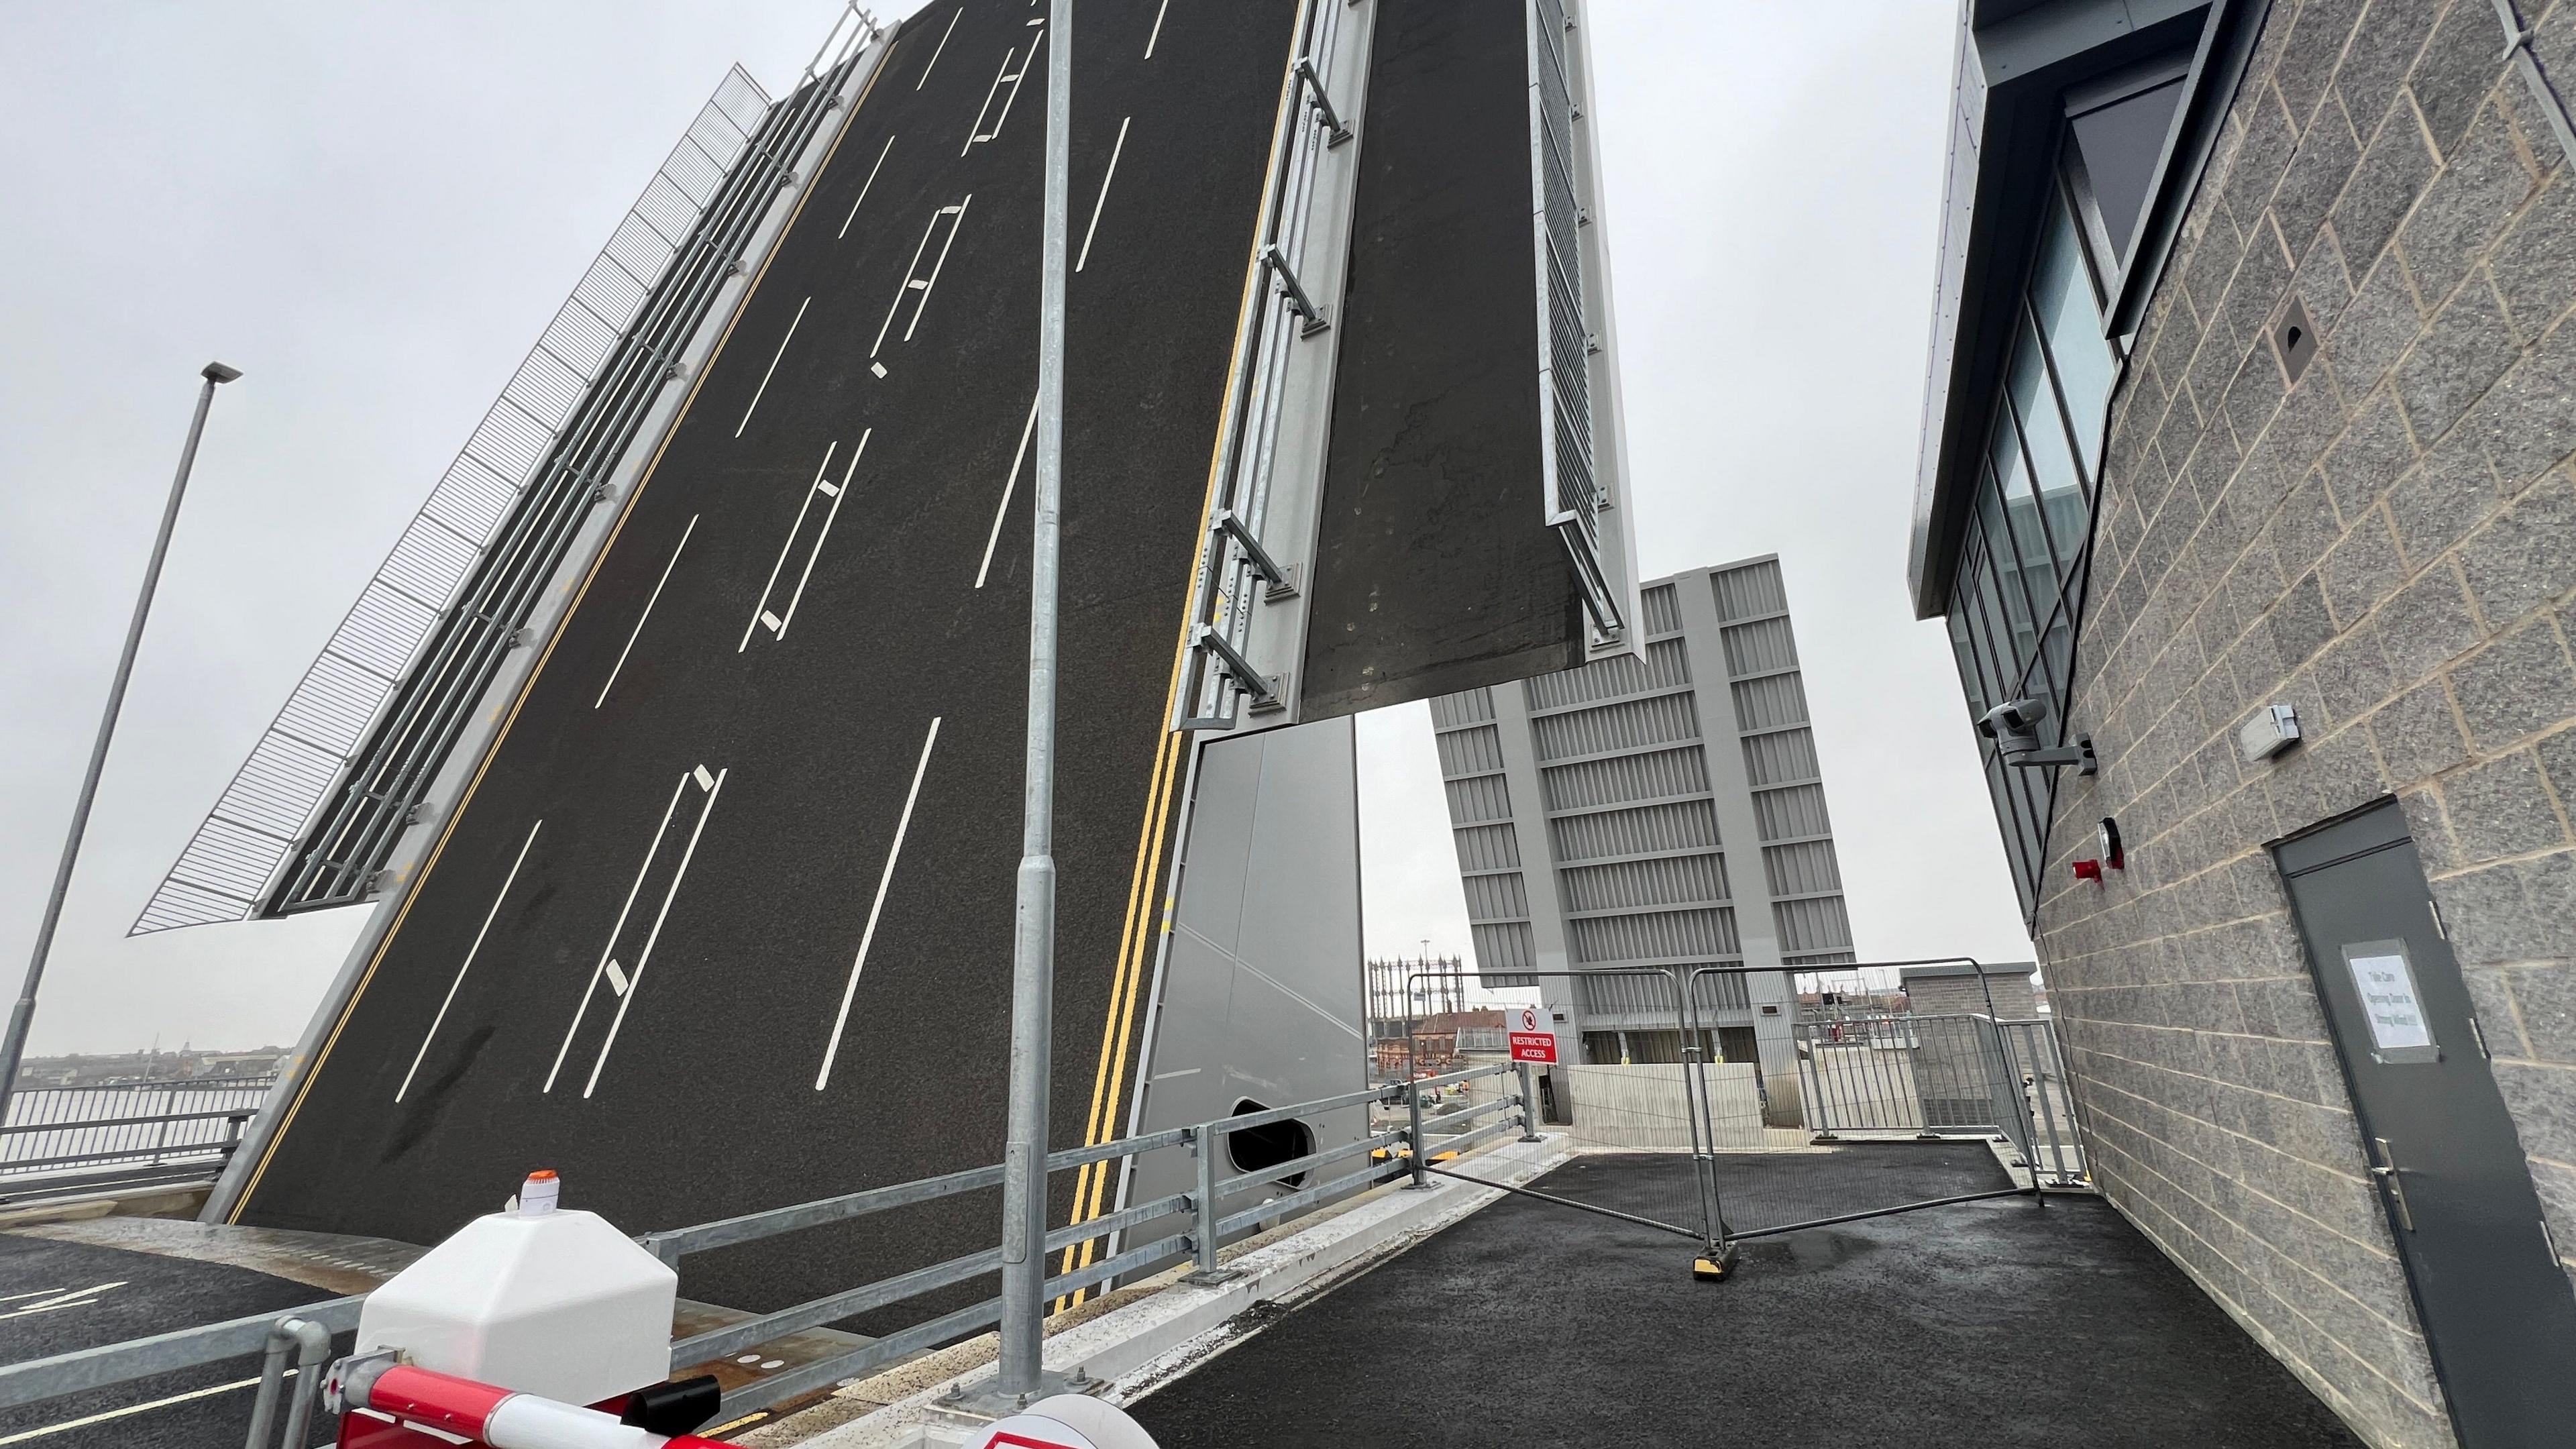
(1024, 1151)
(15, 1043)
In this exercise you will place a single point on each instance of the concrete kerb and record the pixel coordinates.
(1169, 1326)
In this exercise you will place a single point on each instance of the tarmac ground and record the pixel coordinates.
(2007, 1322)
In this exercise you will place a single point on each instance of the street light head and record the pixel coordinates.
(217, 372)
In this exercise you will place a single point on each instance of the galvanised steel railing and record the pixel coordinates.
(165, 1123)
(1197, 1219)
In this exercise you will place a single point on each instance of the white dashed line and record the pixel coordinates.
(622, 912)
(836, 493)
(773, 367)
(1158, 29)
(933, 279)
(467, 964)
(942, 49)
(894, 851)
(1004, 507)
(626, 996)
(760, 606)
(639, 626)
(1105, 178)
(863, 190)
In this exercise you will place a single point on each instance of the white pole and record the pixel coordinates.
(21, 1015)
(1024, 1178)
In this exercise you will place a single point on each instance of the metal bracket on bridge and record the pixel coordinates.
(1336, 130)
(1298, 302)
(1259, 688)
(1282, 578)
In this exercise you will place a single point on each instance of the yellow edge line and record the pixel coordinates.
(1092, 1185)
(313, 1074)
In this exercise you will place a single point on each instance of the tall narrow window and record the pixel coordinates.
(2117, 126)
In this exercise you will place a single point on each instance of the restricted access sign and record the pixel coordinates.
(1533, 1034)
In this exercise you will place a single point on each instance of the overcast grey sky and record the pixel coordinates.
(372, 210)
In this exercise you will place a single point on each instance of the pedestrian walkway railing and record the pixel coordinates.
(1937, 1075)
(56, 1130)
(1189, 1227)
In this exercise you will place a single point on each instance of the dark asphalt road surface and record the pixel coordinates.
(59, 1297)
(1980, 1324)
(628, 957)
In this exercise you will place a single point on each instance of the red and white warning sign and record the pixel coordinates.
(1533, 1034)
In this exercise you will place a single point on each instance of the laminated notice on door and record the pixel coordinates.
(2385, 982)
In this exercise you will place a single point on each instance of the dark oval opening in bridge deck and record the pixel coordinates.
(1254, 1148)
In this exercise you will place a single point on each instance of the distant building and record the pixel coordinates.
(1663, 810)
(1955, 990)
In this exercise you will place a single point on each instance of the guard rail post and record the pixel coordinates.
(1414, 1147)
(310, 1342)
(1529, 1103)
(1203, 1214)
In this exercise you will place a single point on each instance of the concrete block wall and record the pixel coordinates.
(2390, 546)
(2009, 986)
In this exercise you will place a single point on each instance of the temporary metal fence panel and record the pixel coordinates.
(317, 808)
(60, 1130)
(1179, 1226)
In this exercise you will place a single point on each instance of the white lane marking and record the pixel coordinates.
(467, 964)
(613, 932)
(871, 181)
(86, 1420)
(960, 210)
(38, 1293)
(909, 268)
(773, 367)
(639, 622)
(1158, 29)
(626, 998)
(976, 132)
(878, 368)
(76, 1298)
(617, 981)
(943, 47)
(1105, 178)
(760, 606)
(836, 494)
(704, 783)
(894, 852)
(1004, 507)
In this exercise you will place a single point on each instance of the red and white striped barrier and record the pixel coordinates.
(386, 1406)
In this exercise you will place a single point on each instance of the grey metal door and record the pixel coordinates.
(2496, 1309)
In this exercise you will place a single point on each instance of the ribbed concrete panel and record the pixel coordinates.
(1655, 936)
(1622, 778)
(1760, 647)
(1496, 898)
(1469, 752)
(1812, 925)
(1750, 591)
(1663, 610)
(1782, 757)
(1478, 798)
(1684, 825)
(1658, 720)
(1680, 880)
(1804, 868)
(1665, 666)
(1457, 709)
(1790, 813)
(1769, 702)
(1503, 947)
(1487, 847)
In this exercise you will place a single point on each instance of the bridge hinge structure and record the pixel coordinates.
(1238, 570)
(314, 814)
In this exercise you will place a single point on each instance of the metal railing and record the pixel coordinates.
(52, 1130)
(1197, 1223)
(1235, 571)
(1936, 1075)
(316, 810)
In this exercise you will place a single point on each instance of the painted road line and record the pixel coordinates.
(102, 1417)
(913, 266)
(626, 997)
(976, 133)
(943, 46)
(867, 936)
(613, 932)
(1158, 28)
(1003, 509)
(958, 221)
(467, 964)
(837, 492)
(76, 1298)
(760, 607)
(864, 185)
(639, 621)
(773, 367)
(1105, 178)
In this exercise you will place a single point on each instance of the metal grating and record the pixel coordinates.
(316, 809)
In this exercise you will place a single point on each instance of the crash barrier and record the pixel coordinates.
(54, 1131)
(1714, 1085)
(1415, 1131)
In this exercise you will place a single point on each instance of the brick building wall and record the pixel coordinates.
(2390, 546)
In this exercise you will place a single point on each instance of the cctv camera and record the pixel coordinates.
(2014, 724)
